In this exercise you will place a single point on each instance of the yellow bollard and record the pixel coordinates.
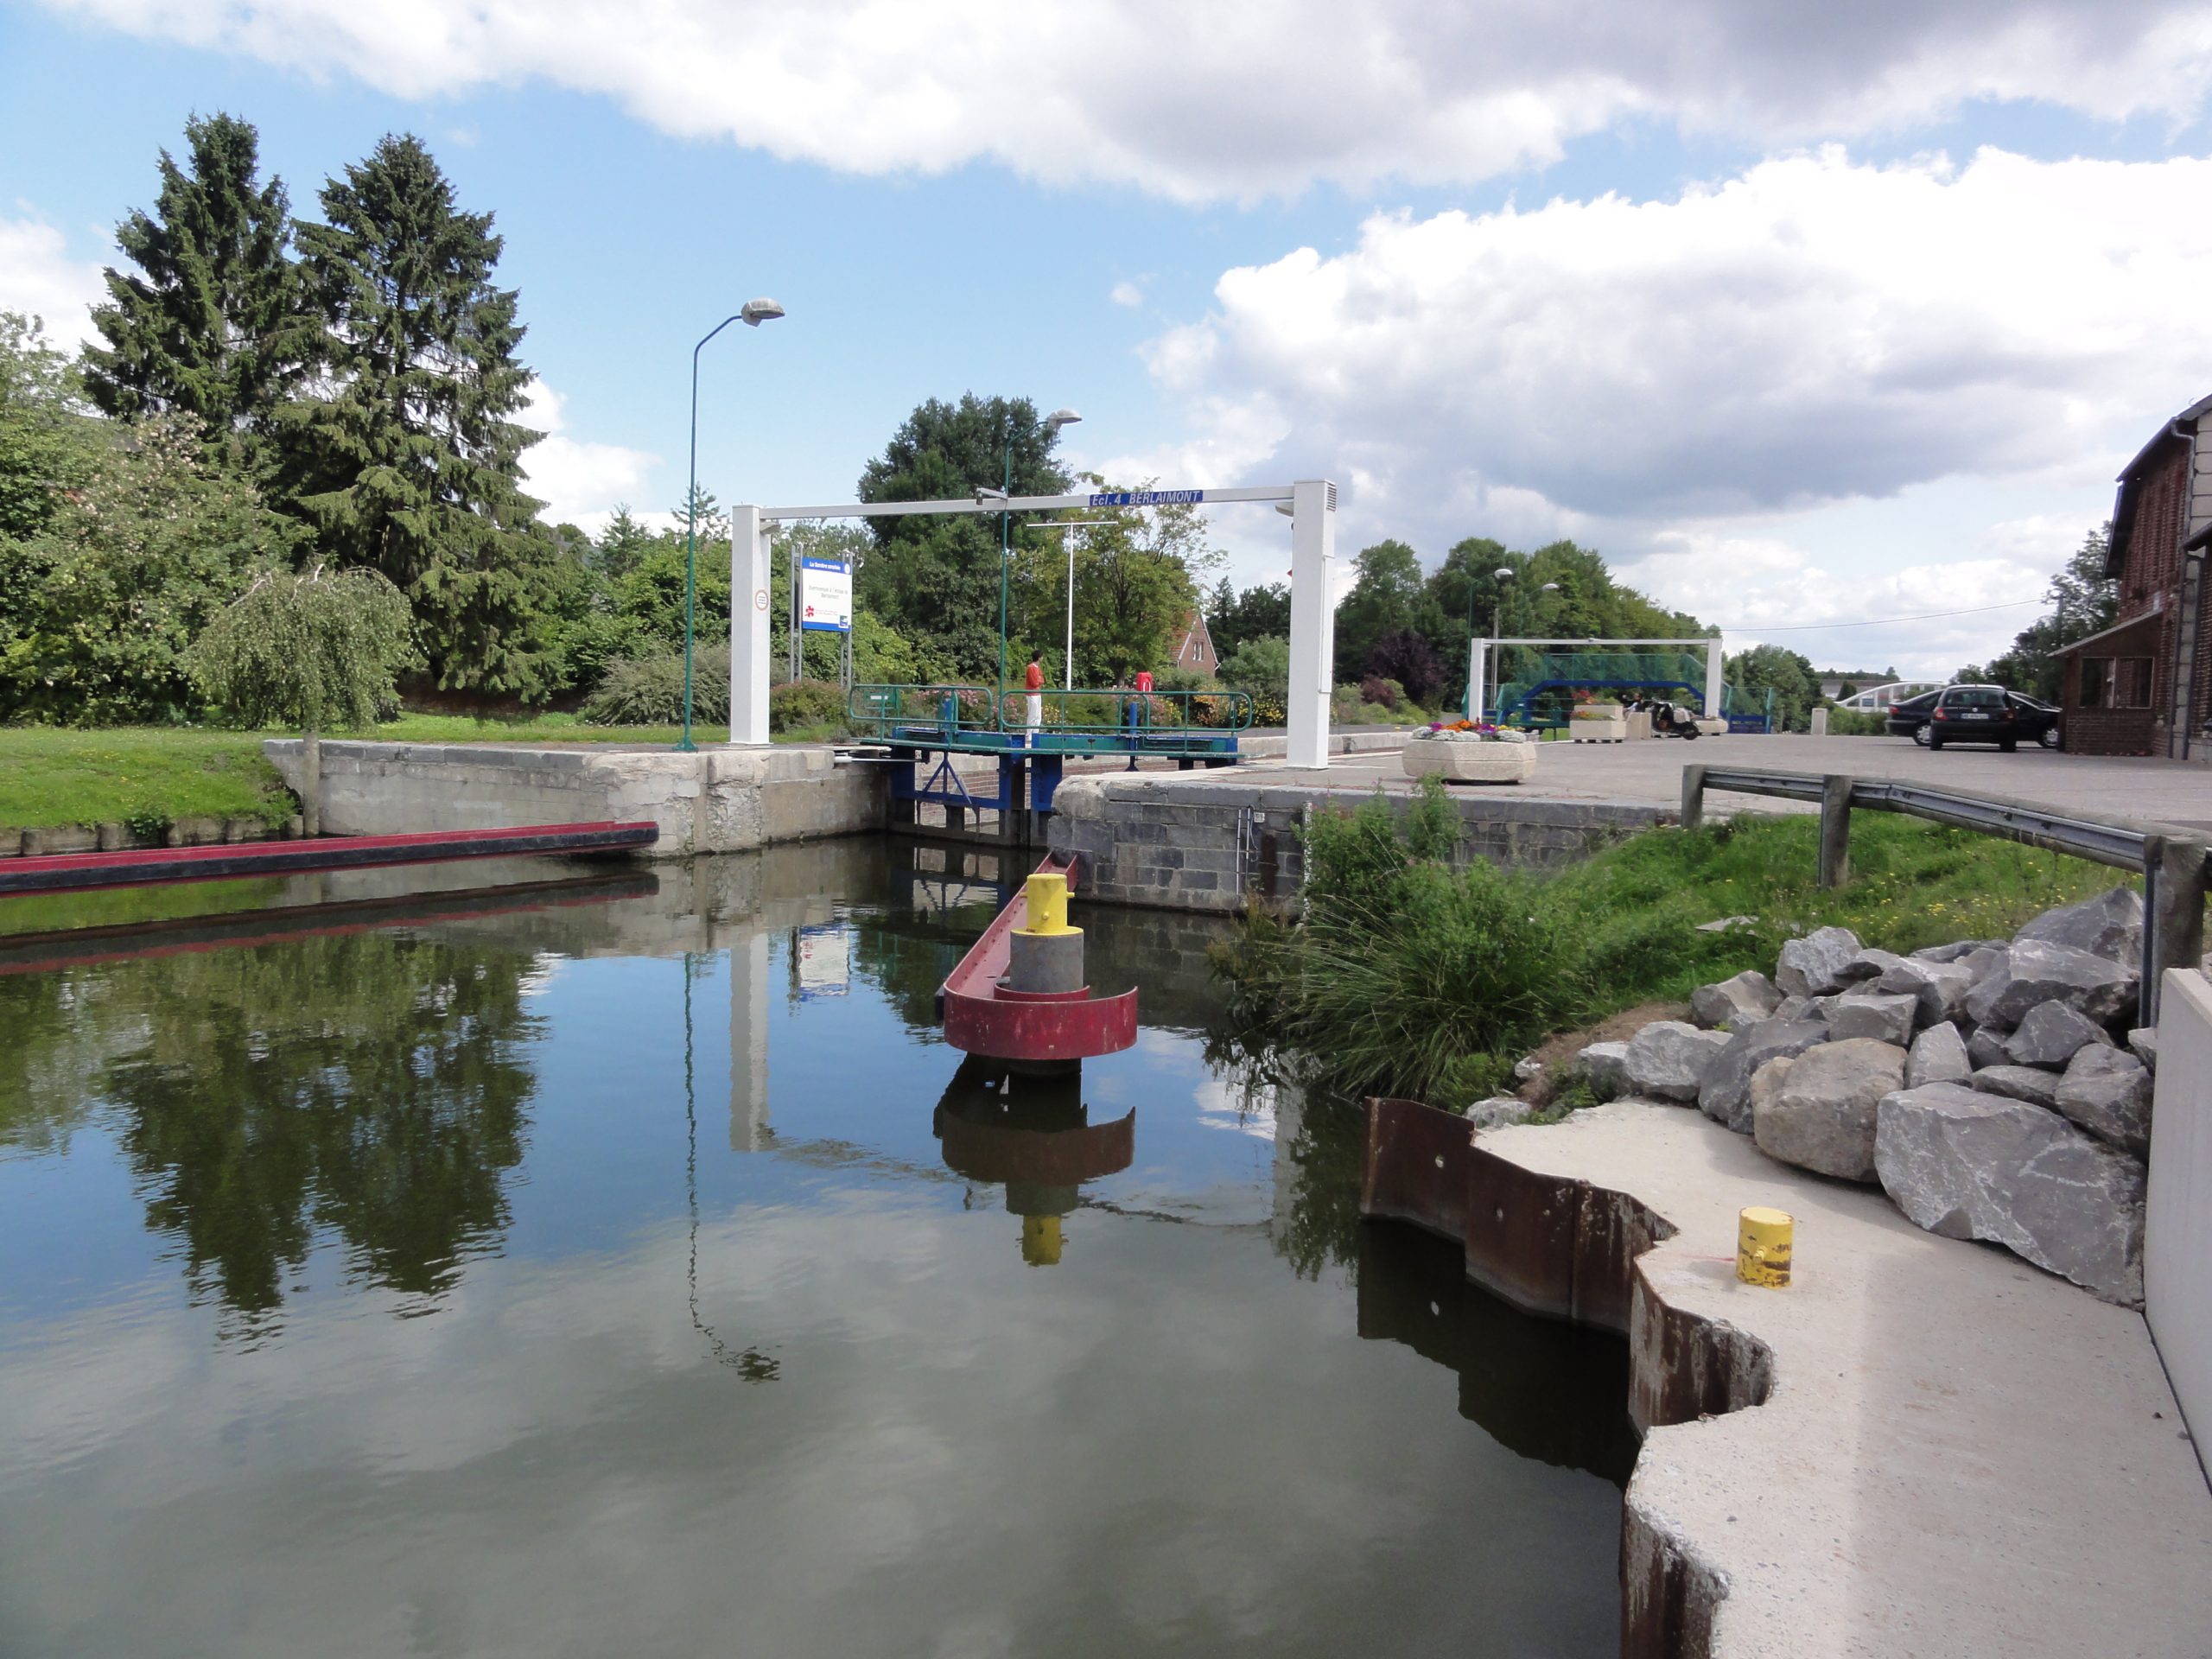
(1048, 903)
(1763, 1238)
(1040, 1240)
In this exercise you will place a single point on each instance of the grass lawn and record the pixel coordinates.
(155, 774)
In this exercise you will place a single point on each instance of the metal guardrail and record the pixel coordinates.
(2176, 864)
(1154, 721)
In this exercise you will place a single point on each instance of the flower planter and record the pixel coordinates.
(1471, 763)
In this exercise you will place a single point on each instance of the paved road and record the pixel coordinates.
(1652, 772)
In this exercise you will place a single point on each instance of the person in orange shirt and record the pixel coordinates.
(1035, 680)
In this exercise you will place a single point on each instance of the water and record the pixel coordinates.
(625, 1267)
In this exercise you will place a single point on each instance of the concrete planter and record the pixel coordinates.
(1598, 722)
(1471, 763)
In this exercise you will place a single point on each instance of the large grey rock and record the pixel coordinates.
(1986, 1047)
(1955, 952)
(2109, 925)
(1766, 1086)
(1604, 1067)
(1968, 1164)
(1985, 960)
(2108, 1091)
(1743, 1000)
(2035, 971)
(1869, 963)
(1822, 1117)
(1813, 966)
(1794, 1007)
(1498, 1112)
(1726, 1095)
(2050, 1035)
(1871, 1014)
(1937, 1055)
(2143, 1043)
(1668, 1059)
(2027, 1082)
(1938, 989)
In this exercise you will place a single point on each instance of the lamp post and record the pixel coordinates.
(753, 314)
(1053, 423)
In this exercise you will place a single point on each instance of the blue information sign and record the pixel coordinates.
(1148, 498)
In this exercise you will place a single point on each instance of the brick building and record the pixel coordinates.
(2144, 685)
(1195, 649)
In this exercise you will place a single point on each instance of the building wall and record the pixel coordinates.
(2150, 577)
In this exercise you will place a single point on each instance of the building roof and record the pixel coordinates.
(2123, 506)
(2158, 606)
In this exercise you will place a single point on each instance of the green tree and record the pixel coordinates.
(1260, 668)
(1792, 678)
(314, 652)
(1389, 595)
(935, 579)
(48, 442)
(1136, 576)
(2083, 600)
(411, 466)
(1257, 613)
(205, 324)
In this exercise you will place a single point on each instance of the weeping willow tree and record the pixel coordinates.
(314, 652)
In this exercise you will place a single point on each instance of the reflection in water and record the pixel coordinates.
(1028, 1132)
(1547, 1389)
(370, 1085)
(748, 1363)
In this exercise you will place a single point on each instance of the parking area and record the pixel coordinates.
(1651, 772)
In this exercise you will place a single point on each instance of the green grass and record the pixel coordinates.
(51, 775)
(1404, 977)
(1636, 907)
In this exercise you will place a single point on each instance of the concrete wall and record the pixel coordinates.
(1204, 845)
(718, 800)
(2177, 1223)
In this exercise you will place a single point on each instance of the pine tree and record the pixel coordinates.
(410, 464)
(207, 324)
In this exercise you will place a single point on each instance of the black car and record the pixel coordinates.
(1975, 714)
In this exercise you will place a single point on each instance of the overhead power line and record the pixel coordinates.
(1872, 622)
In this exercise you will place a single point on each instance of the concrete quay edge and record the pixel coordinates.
(1921, 1447)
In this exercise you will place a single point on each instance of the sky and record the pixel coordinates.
(1805, 316)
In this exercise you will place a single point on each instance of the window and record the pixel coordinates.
(2114, 683)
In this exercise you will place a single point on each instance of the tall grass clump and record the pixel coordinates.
(648, 689)
(1406, 975)
(1409, 974)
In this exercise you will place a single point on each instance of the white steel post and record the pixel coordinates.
(1714, 657)
(748, 627)
(1312, 621)
(1477, 672)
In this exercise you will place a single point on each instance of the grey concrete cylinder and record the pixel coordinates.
(1040, 963)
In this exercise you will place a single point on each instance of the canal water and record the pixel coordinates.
(513, 1261)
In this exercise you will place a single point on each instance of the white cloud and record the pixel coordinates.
(1206, 102)
(1126, 293)
(1715, 368)
(39, 278)
(581, 483)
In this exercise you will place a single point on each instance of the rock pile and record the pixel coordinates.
(1991, 1088)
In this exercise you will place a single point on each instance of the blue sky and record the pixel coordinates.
(1800, 323)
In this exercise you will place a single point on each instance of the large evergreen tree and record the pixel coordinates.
(207, 323)
(409, 463)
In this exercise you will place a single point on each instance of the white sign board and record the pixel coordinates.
(825, 596)
(822, 961)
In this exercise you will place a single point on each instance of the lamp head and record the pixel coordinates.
(1060, 417)
(1288, 509)
(1503, 572)
(756, 312)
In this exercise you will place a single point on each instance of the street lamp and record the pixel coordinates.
(1053, 423)
(753, 314)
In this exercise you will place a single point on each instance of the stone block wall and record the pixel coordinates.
(717, 800)
(1205, 846)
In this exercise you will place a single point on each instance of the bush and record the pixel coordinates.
(1375, 688)
(648, 689)
(805, 705)
(1260, 668)
(1852, 723)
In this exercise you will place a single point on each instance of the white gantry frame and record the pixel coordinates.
(1478, 663)
(1312, 616)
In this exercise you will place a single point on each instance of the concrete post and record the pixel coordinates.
(1693, 798)
(1836, 831)
(1312, 621)
(1820, 722)
(748, 627)
(1715, 658)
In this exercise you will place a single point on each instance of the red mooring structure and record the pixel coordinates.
(982, 1016)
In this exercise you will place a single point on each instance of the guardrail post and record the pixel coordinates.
(1693, 798)
(1835, 829)
(2174, 880)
